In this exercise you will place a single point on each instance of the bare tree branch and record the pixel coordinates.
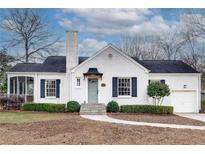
(141, 47)
(29, 32)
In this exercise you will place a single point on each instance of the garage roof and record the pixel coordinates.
(167, 66)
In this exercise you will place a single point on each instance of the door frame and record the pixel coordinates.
(97, 88)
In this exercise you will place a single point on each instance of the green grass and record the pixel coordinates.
(24, 117)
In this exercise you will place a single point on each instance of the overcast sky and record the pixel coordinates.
(97, 27)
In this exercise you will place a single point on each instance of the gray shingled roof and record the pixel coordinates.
(166, 66)
(58, 64)
(51, 64)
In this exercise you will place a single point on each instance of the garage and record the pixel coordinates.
(184, 101)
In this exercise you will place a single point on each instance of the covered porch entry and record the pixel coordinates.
(92, 78)
(21, 85)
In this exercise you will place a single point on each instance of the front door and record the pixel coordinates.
(92, 91)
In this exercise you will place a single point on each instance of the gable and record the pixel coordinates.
(111, 63)
(108, 52)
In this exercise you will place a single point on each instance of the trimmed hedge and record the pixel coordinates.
(44, 107)
(73, 106)
(147, 109)
(112, 106)
(203, 105)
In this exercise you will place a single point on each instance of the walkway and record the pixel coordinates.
(195, 116)
(106, 118)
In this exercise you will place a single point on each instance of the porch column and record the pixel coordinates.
(18, 87)
(8, 84)
(36, 88)
(26, 86)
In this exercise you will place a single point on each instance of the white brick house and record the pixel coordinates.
(107, 75)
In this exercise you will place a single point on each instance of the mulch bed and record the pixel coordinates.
(76, 130)
(155, 118)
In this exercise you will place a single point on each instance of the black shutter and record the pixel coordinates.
(42, 88)
(149, 81)
(162, 81)
(11, 86)
(58, 88)
(114, 87)
(134, 87)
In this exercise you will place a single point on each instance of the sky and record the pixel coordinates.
(97, 27)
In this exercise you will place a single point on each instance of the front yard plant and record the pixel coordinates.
(73, 106)
(10, 102)
(158, 91)
(147, 109)
(203, 105)
(112, 106)
(48, 107)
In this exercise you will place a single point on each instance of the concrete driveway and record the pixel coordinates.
(195, 116)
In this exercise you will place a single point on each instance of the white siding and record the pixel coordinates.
(117, 66)
(176, 83)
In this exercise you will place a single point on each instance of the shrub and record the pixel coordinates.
(203, 105)
(112, 106)
(44, 107)
(73, 106)
(147, 109)
(158, 91)
(11, 102)
(3, 86)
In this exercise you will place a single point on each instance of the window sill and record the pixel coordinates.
(50, 97)
(124, 97)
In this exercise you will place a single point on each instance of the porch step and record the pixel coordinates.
(93, 109)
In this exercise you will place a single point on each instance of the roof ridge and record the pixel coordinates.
(65, 56)
(29, 63)
(160, 60)
(55, 56)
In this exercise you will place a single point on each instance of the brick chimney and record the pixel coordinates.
(71, 50)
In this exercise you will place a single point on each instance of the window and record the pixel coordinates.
(124, 85)
(78, 82)
(50, 88)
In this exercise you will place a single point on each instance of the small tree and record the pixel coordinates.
(158, 91)
(3, 87)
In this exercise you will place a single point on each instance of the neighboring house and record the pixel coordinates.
(107, 75)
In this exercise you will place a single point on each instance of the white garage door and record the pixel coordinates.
(184, 101)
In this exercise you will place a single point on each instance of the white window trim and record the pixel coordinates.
(124, 96)
(50, 97)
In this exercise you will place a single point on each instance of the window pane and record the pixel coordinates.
(123, 86)
(51, 88)
(78, 82)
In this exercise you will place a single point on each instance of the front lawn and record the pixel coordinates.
(21, 117)
(76, 130)
(55, 128)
